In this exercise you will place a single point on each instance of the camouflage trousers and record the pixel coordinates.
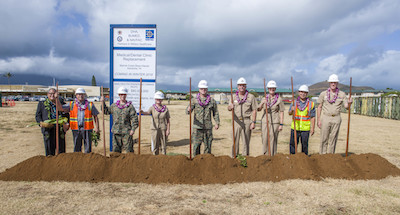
(202, 136)
(122, 141)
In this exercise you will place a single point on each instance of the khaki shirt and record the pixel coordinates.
(274, 110)
(159, 119)
(334, 108)
(245, 109)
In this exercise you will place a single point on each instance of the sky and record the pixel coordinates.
(212, 40)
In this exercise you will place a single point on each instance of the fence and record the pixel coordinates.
(385, 107)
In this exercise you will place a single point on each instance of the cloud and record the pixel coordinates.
(25, 27)
(56, 67)
(383, 72)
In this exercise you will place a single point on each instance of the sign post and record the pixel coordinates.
(132, 58)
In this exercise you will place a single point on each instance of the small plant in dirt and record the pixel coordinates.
(242, 159)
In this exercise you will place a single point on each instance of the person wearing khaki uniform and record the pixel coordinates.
(245, 111)
(328, 113)
(160, 126)
(275, 118)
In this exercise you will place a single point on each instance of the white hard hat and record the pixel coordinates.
(241, 81)
(333, 78)
(159, 95)
(80, 91)
(272, 84)
(202, 84)
(122, 90)
(303, 88)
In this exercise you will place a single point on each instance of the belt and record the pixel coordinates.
(241, 118)
(332, 115)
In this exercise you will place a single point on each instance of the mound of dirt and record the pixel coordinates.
(203, 169)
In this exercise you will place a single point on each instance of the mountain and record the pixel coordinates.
(317, 88)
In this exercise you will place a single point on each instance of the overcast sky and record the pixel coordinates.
(211, 39)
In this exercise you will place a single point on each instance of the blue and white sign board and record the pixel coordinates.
(133, 56)
(138, 36)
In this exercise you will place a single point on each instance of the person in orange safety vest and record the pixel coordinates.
(83, 120)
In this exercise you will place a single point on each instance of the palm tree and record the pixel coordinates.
(8, 75)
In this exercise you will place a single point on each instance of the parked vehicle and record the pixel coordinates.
(18, 98)
(93, 99)
(34, 99)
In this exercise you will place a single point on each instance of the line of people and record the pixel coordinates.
(83, 119)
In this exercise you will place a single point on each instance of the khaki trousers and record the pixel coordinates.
(330, 126)
(158, 141)
(273, 137)
(242, 131)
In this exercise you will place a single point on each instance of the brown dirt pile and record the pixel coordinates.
(203, 169)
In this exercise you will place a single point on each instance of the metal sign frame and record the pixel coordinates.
(138, 49)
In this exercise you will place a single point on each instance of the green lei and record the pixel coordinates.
(47, 106)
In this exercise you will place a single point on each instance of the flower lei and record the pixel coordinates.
(124, 106)
(201, 103)
(79, 106)
(51, 108)
(298, 104)
(328, 93)
(241, 101)
(158, 109)
(274, 102)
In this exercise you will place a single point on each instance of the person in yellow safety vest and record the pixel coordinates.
(305, 120)
(82, 114)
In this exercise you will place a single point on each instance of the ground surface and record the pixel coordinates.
(327, 195)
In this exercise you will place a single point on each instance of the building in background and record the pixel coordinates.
(35, 92)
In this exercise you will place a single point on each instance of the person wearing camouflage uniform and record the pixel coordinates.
(125, 121)
(204, 107)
